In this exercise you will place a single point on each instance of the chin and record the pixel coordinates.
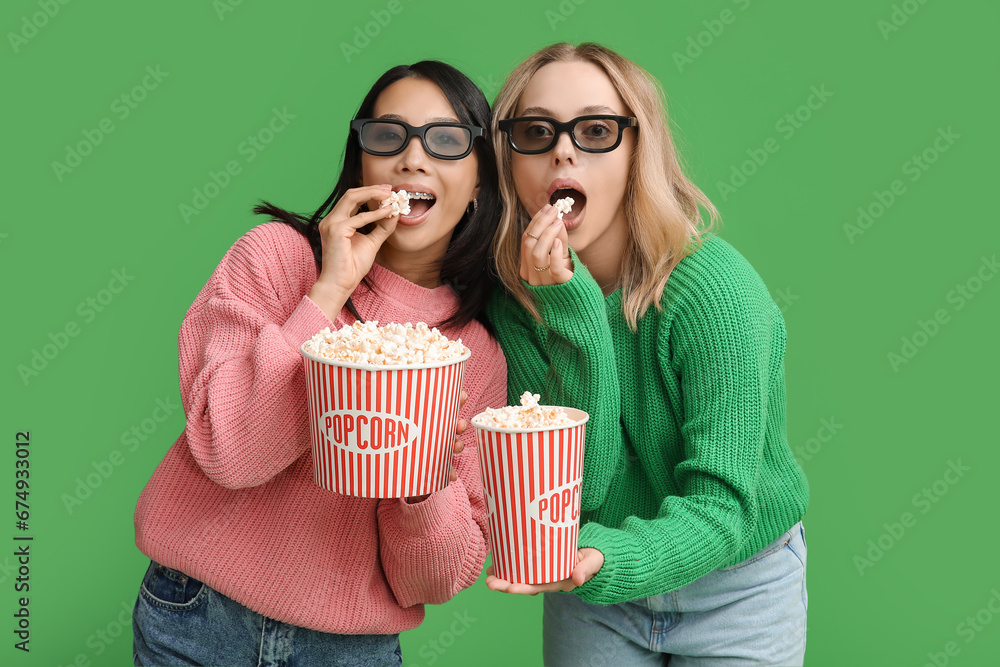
(403, 244)
(413, 244)
(579, 242)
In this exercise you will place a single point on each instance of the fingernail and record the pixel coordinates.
(386, 186)
(546, 208)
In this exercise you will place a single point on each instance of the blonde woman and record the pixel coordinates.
(629, 308)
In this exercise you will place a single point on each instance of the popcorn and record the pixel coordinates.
(400, 201)
(527, 415)
(389, 345)
(564, 205)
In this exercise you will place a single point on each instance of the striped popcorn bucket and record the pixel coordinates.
(531, 478)
(382, 431)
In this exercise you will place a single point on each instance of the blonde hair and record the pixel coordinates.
(661, 204)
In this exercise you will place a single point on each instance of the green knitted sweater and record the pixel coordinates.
(687, 467)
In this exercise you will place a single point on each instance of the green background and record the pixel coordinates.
(849, 298)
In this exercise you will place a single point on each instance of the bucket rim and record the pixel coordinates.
(582, 418)
(383, 367)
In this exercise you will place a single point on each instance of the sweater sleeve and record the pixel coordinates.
(433, 549)
(569, 360)
(723, 346)
(242, 378)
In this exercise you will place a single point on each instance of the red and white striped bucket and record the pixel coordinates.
(382, 431)
(531, 478)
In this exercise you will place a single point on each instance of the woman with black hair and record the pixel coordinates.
(251, 562)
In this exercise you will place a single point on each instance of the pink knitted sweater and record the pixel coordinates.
(233, 502)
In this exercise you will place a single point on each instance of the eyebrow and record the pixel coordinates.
(585, 111)
(438, 119)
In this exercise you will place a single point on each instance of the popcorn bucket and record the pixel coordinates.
(382, 431)
(531, 477)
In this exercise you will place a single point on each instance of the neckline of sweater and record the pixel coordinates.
(438, 302)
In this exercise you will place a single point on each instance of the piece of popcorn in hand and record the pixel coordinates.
(400, 201)
(564, 205)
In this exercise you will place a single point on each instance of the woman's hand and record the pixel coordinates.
(460, 428)
(588, 563)
(348, 255)
(545, 256)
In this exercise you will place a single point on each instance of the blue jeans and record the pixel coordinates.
(180, 621)
(752, 613)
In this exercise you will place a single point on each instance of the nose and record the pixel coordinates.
(564, 151)
(413, 158)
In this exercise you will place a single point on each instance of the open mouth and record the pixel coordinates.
(420, 205)
(579, 201)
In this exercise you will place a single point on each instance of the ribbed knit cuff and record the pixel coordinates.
(428, 516)
(596, 536)
(305, 321)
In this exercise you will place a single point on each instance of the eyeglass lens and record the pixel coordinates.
(387, 136)
(592, 133)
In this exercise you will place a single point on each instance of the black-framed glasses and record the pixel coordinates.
(532, 135)
(445, 141)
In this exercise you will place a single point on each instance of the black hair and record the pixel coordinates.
(468, 264)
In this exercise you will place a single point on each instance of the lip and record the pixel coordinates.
(572, 223)
(563, 183)
(409, 220)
